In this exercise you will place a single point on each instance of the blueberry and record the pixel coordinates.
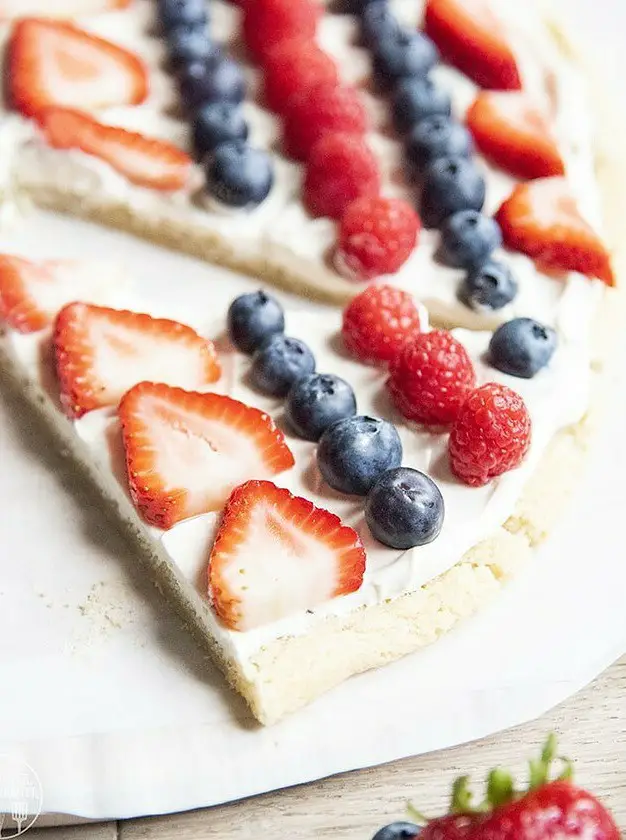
(404, 508)
(450, 184)
(175, 12)
(378, 22)
(398, 831)
(239, 175)
(416, 99)
(491, 286)
(191, 45)
(468, 239)
(522, 347)
(354, 453)
(217, 123)
(211, 81)
(435, 137)
(279, 363)
(316, 402)
(403, 53)
(253, 319)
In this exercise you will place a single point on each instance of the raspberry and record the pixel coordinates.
(340, 168)
(378, 322)
(318, 111)
(430, 379)
(491, 435)
(268, 22)
(376, 236)
(294, 67)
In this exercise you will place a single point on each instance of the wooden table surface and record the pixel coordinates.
(591, 729)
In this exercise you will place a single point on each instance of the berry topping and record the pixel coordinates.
(217, 123)
(414, 99)
(186, 451)
(341, 168)
(376, 236)
(52, 63)
(378, 22)
(276, 554)
(403, 53)
(450, 184)
(100, 353)
(489, 287)
(145, 161)
(190, 12)
(468, 238)
(431, 378)
(522, 347)
(319, 111)
(294, 67)
(541, 219)
(279, 363)
(404, 509)
(378, 322)
(470, 36)
(268, 22)
(353, 453)
(398, 831)
(317, 401)
(253, 319)
(515, 135)
(490, 435)
(191, 45)
(437, 136)
(212, 81)
(238, 175)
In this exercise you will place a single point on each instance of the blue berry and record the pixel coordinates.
(239, 175)
(189, 12)
(253, 319)
(436, 137)
(468, 238)
(217, 123)
(450, 184)
(416, 99)
(404, 508)
(378, 22)
(191, 45)
(212, 81)
(489, 287)
(522, 347)
(398, 831)
(403, 53)
(354, 453)
(316, 402)
(279, 363)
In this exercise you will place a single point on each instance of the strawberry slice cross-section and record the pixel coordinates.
(100, 353)
(541, 219)
(55, 63)
(277, 554)
(186, 451)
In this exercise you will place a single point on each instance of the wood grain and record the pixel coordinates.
(591, 727)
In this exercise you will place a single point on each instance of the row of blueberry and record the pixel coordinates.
(212, 87)
(357, 455)
(439, 155)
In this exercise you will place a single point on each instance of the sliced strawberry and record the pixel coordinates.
(276, 554)
(541, 219)
(11, 9)
(100, 353)
(186, 451)
(53, 63)
(470, 36)
(514, 134)
(143, 160)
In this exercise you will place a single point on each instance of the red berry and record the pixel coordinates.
(319, 110)
(268, 22)
(377, 236)
(491, 434)
(431, 378)
(341, 167)
(292, 68)
(378, 322)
